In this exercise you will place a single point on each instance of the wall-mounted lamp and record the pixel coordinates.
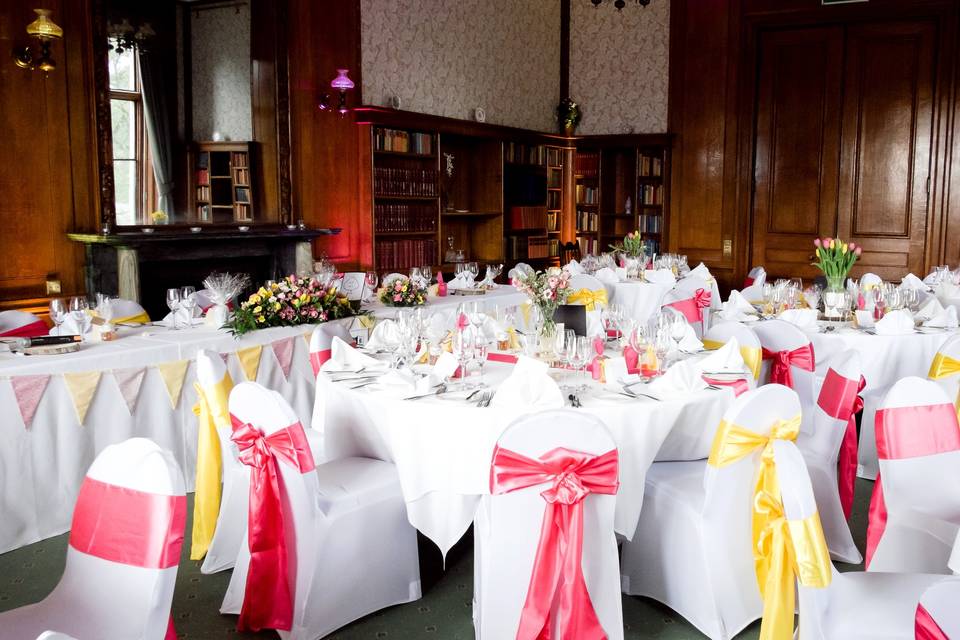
(45, 31)
(342, 83)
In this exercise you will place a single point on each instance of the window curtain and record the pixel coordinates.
(158, 120)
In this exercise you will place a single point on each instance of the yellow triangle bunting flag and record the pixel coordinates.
(81, 387)
(250, 361)
(173, 374)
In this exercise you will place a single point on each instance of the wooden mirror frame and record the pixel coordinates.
(272, 85)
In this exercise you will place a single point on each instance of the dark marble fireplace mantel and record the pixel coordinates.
(141, 266)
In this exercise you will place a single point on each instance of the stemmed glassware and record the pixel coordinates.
(481, 349)
(58, 312)
(78, 309)
(370, 280)
(463, 346)
(678, 330)
(578, 356)
(188, 300)
(661, 347)
(426, 272)
(474, 269)
(173, 303)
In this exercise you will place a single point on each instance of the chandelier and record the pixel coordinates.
(123, 36)
(620, 4)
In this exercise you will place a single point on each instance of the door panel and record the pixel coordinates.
(797, 146)
(886, 143)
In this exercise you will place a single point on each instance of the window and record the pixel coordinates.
(133, 182)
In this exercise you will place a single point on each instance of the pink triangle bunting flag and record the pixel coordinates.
(283, 350)
(28, 391)
(129, 381)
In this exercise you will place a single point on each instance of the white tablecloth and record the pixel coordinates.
(443, 446)
(503, 296)
(640, 300)
(42, 467)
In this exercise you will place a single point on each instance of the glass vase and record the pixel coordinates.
(835, 299)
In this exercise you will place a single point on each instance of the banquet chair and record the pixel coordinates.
(322, 338)
(828, 435)
(123, 552)
(870, 281)
(20, 324)
(756, 277)
(944, 370)
(833, 605)
(721, 333)
(336, 536)
(753, 293)
(692, 548)
(540, 460)
(593, 295)
(915, 508)
(788, 358)
(128, 312)
(691, 297)
(937, 617)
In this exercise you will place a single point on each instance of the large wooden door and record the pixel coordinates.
(797, 151)
(842, 144)
(886, 144)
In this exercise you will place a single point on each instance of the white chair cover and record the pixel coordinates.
(780, 335)
(757, 277)
(21, 324)
(321, 340)
(722, 332)
(595, 315)
(855, 605)
(824, 427)
(937, 611)
(753, 293)
(915, 510)
(692, 547)
(128, 310)
(351, 550)
(124, 551)
(508, 527)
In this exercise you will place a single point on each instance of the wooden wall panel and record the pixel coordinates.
(47, 171)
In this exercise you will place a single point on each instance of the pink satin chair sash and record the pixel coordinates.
(692, 308)
(32, 330)
(557, 574)
(317, 358)
(267, 602)
(748, 281)
(739, 386)
(840, 399)
(780, 373)
(908, 432)
(926, 628)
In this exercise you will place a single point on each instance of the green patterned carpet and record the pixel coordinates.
(30, 573)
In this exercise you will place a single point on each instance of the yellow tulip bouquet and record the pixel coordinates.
(835, 258)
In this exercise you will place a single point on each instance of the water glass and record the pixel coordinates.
(426, 272)
(661, 347)
(678, 329)
(58, 311)
(173, 303)
(188, 300)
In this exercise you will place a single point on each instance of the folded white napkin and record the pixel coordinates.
(660, 276)
(682, 378)
(615, 369)
(621, 273)
(701, 271)
(911, 281)
(738, 309)
(185, 317)
(930, 309)
(385, 335)
(606, 275)
(528, 386)
(865, 318)
(805, 319)
(489, 276)
(690, 342)
(343, 357)
(465, 280)
(945, 319)
(403, 383)
(947, 291)
(895, 323)
(70, 326)
(930, 279)
(726, 359)
(445, 367)
(575, 268)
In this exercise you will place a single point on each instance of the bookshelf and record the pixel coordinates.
(222, 185)
(533, 201)
(587, 176)
(651, 196)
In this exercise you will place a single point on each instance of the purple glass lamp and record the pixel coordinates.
(342, 83)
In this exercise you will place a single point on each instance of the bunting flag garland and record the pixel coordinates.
(283, 350)
(250, 361)
(129, 381)
(307, 336)
(28, 390)
(81, 387)
(173, 374)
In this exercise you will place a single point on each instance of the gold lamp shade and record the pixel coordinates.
(43, 27)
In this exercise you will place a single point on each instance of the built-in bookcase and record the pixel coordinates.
(222, 186)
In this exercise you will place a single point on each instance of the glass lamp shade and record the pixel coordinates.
(342, 82)
(43, 27)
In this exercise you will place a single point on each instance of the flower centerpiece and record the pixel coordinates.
(633, 251)
(835, 258)
(546, 289)
(402, 292)
(292, 301)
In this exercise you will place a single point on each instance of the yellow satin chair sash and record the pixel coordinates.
(212, 412)
(752, 356)
(778, 556)
(590, 298)
(944, 367)
(139, 318)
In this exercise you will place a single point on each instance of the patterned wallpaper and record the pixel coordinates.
(619, 66)
(447, 57)
(220, 49)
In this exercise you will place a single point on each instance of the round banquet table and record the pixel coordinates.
(885, 358)
(442, 446)
(42, 465)
(640, 300)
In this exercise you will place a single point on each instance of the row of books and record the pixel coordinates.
(553, 200)
(238, 159)
(242, 213)
(651, 194)
(403, 141)
(650, 224)
(519, 248)
(203, 193)
(528, 218)
(587, 220)
(555, 177)
(553, 221)
(587, 164)
(525, 153)
(651, 166)
(241, 194)
(405, 182)
(404, 217)
(588, 245)
(400, 255)
(587, 195)
(203, 176)
(241, 175)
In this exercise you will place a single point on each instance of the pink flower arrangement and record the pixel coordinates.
(546, 289)
(292, 301)
(403, 292)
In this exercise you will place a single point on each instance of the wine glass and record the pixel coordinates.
(426, 272)
(661, 347)
(78, 309)
(58, 312)
(475, 314)
(474, 269)
(188, 300)
(463, 351)
(678, 329)
(104, 307)
(481, 349)
(173, 303)
(581, 357)
(415, 276)
(566, 348)
(370, 280)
